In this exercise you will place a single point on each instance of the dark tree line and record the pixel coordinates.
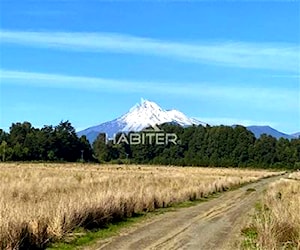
(59, 143)
(222, 146)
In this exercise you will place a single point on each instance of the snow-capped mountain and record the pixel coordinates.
(140, 116)
(148, 113)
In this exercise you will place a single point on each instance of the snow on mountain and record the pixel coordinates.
(143, 115)
(181, 119)
(140, 116)
(149, 113)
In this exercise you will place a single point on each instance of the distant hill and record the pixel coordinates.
(259, 130)
(296, 135)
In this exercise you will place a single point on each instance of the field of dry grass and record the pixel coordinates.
(276, 223)
(41, 203)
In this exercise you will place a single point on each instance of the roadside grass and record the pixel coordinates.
(83, 238)
(275, 223)
(87, 238)
(250, 237)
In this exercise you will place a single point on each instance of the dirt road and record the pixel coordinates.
(209, 225)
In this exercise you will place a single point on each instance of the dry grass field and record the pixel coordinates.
(276, 224)
(42, 203)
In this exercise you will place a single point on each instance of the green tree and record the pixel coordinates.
(295, 150)
(86, 149)
(66, 142)
(244, 141)
(264, 150)
(101, 149)
(3, 148)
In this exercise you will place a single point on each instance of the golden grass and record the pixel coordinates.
(277, 222)
(41, 203)
(295, 175)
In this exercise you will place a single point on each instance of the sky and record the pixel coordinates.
(222, 62)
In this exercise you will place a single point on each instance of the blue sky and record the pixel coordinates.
(223, 62)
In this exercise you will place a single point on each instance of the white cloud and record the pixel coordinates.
(284, 57)
(279, 98)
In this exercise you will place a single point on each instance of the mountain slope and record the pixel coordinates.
(259, 130)
(140, 116)
(296, 135)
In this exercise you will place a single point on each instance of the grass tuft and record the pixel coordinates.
(276, 223)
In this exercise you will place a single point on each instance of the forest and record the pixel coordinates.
(59, 143)
(213, 146)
